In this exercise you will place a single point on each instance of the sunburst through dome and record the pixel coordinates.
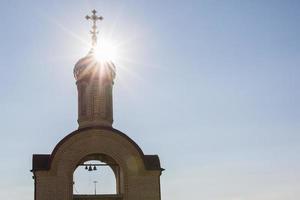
(106, 50)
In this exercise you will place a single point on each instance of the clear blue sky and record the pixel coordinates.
(210, 86)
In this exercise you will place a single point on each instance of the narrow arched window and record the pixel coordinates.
(82, 100)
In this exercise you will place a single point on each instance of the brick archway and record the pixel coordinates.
(137, 172)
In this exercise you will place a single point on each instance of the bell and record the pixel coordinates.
(90, 168)
(95, 168)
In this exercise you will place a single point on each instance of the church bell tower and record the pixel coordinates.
(137, 176)
(94, 80)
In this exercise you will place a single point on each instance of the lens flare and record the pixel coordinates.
(106, 51)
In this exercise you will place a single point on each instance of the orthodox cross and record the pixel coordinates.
(94, 30)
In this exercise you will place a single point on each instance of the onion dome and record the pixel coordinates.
(90, 67)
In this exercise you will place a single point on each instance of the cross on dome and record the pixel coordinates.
(94, 18)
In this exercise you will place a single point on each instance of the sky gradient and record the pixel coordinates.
(212, 87)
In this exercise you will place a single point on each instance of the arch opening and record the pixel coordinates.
(96, 175)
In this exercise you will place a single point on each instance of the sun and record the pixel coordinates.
(106, 50)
